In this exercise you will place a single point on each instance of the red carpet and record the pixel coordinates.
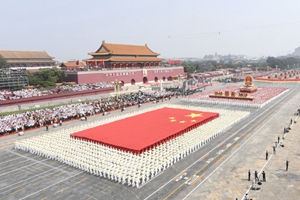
(145, 131)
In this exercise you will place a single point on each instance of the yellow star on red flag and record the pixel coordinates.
(182, 122)
(193, 120)
(193, 115)
(173, 120)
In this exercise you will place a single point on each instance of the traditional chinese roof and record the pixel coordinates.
(123, 49)
(72, 64)
(30, 61)
(25, 55)
(127, 59)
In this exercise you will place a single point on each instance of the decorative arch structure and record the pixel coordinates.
(145, 80)
(132, 82)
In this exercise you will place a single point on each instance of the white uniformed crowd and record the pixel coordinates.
(121, 166)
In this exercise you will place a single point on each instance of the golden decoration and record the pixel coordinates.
(193, 115)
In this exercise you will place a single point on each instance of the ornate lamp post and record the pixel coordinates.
(161, 86)
(116, 84)
(180, 80)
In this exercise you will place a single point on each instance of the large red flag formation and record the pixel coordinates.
(145, 131)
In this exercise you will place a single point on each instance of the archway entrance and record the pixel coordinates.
(164, 78)
(132, 82)
(145, 80)
(170, 78)
(155, 79)
(122, 83)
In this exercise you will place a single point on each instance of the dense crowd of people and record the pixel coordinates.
(49, 116)
(82, 87)
(255, 75)
(28, 93)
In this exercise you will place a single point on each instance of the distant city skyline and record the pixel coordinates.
(71, 29)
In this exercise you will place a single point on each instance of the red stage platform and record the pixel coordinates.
(144, 131)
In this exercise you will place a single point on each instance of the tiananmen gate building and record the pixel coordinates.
(123, 56)
(129, 64)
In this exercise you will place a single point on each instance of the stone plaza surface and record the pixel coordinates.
(26, 176)
(230, 180)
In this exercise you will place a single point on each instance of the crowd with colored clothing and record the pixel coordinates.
(255, 75)
(82, 87)
(35, 92)
(48, 116)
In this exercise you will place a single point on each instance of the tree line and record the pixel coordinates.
(283, 63)
(202, 66)
(47, 77)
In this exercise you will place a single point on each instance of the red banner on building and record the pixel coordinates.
(100, 63)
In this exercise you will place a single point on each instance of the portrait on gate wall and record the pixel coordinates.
(144, 72)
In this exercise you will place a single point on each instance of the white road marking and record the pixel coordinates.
(26, 180)
(9, 160)
(237, 151)
(50, 186)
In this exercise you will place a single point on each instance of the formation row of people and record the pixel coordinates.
(35, 92)
(42, 117)
(122, 166)
(255, 75)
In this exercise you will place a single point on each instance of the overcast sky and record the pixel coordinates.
(69, 29)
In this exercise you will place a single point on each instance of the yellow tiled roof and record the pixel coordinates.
(30, 61)
(72, 64)
(123, 49)
(24, 54)
(125, 59)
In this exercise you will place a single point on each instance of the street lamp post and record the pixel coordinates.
(116, 84)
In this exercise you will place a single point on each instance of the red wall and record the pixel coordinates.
(72, 77)
(112, 75)
(53, 97)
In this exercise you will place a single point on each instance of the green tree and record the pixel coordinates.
(46, 77)
(283, 63)
(3, 63)
(188, 67)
